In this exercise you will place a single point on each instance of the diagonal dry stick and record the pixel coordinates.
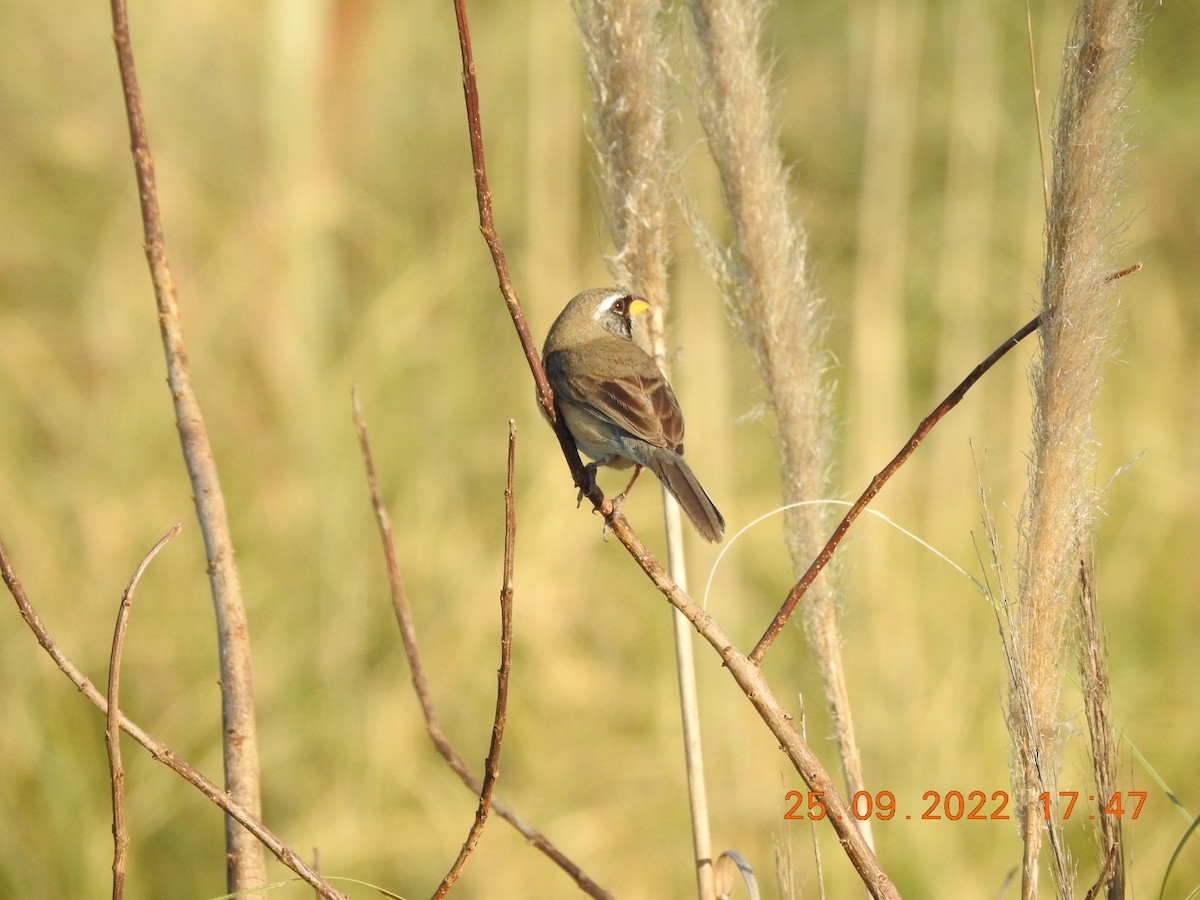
(112, 733)
(491, 767)
(877, 483)
(245, 867)
(158, 750)
(416, 668)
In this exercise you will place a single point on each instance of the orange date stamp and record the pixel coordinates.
(973, 806)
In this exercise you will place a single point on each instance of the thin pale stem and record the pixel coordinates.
(1037, 107)
(246, 868)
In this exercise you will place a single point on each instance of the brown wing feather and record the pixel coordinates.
(639, 400)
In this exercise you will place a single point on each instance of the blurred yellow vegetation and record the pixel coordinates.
(320, 217)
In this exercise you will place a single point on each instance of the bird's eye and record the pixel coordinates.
(620, 305)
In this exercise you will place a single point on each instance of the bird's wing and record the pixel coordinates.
(638, 400)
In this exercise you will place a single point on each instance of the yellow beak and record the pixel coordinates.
(637, 306)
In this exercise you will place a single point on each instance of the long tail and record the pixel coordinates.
(681, 481)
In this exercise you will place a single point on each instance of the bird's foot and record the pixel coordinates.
(617, 502)
(589, 484)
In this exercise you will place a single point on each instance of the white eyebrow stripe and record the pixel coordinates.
(607, 302)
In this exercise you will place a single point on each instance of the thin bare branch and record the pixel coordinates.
(753, 683)
(158, 750)
(877, 483)
(492, 763)
(246, 867)
(487, 227)
(420, 683)
(1106, 876)
(487, 223)
(112, 733)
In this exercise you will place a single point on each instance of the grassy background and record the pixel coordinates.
(320, 219)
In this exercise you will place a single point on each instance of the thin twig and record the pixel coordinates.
(246, 867)
(408, 635)
(492, 765)
(877, 483)
(487, 223)
(487, 227)
(745, 672)
(112, 732)
(158, 750)
(1106, 874)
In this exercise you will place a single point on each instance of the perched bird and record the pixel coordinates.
(617, 404)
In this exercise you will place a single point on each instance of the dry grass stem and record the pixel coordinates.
(491, 768)
(627, 72)
(778, 312)
(420, 683)
(112, 731)
(1077, 304)
(626, 62)
(1036, 90)
(775, 307)
(158, 750)
(1093, 677)
(245, 866)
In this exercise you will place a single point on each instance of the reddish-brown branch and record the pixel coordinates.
(754, 685)
(112, 732)
(877, 483)
(246, 868)
(158, 750)
(487, 224)
(487, 227)
(491, 769)
(420, 683)
(1106, 873)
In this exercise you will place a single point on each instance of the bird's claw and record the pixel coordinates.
(617, 502)
(588, 485)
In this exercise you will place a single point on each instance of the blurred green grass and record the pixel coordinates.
(321, 223)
